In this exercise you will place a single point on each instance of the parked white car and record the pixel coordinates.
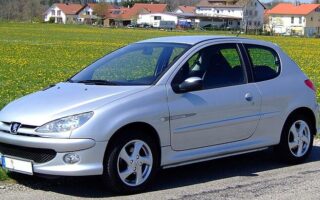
(162, 103)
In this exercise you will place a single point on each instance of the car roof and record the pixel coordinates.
(191, 40)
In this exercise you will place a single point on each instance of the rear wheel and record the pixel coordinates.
(296, 139)
(131, 163)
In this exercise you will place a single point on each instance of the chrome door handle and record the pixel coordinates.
(248, 97)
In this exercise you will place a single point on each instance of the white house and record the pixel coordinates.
(246, 14)
(294, 19)
(158, 19)
(86, 14)
(63, 13)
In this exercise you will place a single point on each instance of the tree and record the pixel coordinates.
(22, 10)
(101, 9)
(130, 3)
(173, 4)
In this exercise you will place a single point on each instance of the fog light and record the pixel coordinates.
(71, 158)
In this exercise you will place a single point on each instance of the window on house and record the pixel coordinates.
(259, 23)
(255, 4)
(157, 17)
(255, 23)
(255, 13)
(250, 13)
(230, 23)
(311, 19)
(218, 11)
(249, 23)
(300, 20)
(53, 12)
(59, 20)
(59, 12)
(292, 20)
(88, 13)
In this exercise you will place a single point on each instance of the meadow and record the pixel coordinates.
(33, 56)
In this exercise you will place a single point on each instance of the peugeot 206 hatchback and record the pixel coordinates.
(162, 103)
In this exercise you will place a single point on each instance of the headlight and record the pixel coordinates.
(65, 124)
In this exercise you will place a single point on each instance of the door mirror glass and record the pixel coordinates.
(190, 84)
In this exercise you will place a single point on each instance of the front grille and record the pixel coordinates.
(34, 154)
(22, 125)
(23, 130)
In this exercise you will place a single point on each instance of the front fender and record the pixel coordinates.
(148, 106)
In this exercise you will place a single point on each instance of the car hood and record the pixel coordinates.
(63, 100)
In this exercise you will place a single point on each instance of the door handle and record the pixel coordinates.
(248, 97)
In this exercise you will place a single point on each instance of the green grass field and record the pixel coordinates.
(33, 56)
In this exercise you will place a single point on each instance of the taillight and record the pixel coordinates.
(310, 85)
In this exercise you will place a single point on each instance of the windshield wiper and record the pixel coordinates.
(96, 82)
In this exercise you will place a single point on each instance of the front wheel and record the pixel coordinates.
(296, 140)
(131, 163)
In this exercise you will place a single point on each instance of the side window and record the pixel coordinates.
(265, 62)
(217, 65)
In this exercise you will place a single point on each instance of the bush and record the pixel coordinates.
(52, 20)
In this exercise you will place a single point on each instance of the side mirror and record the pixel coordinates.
(190, 84)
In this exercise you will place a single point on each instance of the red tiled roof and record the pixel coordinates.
(70, 8)
(140, 7)
(187, 9)
(290, 9)
(116, 13)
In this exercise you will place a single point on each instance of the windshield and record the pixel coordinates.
(136, 64)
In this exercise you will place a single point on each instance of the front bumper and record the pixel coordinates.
(318, 118)
(91, 154)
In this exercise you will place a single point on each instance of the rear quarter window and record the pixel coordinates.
(265, 62)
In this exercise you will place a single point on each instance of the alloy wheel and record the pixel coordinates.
(135, 163)
(299, 138)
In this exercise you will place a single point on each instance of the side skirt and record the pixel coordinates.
(211, 158)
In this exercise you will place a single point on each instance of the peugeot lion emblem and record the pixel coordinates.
(15, 127)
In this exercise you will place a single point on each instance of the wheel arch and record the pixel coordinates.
(146, 129)
(306, 112)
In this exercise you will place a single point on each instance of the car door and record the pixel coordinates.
(226, 109)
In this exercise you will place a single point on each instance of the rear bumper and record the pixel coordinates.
(318, 118)
(91, 154)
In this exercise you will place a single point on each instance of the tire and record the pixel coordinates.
(296, 140)
(126, 170)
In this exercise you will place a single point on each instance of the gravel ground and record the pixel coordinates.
(252, 176)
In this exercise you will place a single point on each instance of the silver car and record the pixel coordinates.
(162, 103)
